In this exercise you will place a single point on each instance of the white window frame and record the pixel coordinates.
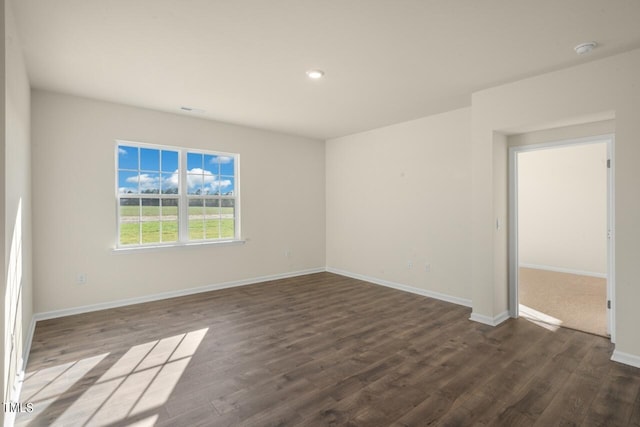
(183, 198)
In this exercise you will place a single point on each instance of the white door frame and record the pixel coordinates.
(513, 220)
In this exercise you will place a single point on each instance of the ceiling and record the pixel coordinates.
(244, 61)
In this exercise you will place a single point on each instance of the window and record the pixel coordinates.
(170, 196)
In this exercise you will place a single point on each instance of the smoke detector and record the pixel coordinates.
(584, 48)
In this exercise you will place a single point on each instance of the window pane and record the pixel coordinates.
(219, 218)
(169, 216)
(196, 219)
(129, 209)
(149, 183)
(149, 159)
(227, 228)
(129, 233)
(212, 229)
(127, 157)
(211, 184)
(227, 221)
(169, 183)
(150, 232)
(150, 220)
(211, 164)
(226, 185)
(127, 182)
(194, 184)
(129, 221)
(228, 206)
(212, 218)
(227, 165)
(169, 209)
(194, 161)
(227, 218)
(169, 161)
(170, 231)
(150, 210)
(212, 208)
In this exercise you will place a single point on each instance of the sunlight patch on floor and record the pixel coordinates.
(134, 387)
(539, 318)
(45, 385)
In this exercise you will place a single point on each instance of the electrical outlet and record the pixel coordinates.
(410, 264)
(81, 279)
(287, 253)
(427, 268)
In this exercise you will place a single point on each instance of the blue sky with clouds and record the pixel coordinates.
(141, 169)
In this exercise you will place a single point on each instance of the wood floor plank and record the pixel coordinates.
(548, 380)
(614, 402)
(318, 350)
(635, 415)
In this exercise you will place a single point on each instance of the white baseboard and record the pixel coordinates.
(564, 270)
(431, 294)
(487, 320)
(171, 294)
(626, 358)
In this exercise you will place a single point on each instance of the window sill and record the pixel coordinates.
(152, 248)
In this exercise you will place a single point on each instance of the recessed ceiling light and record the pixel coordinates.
(315, 74)
(586, 47)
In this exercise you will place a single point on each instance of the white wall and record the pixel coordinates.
(74, 221)
(562, 208)
(597, 87)
(17, 206)
(402, 194)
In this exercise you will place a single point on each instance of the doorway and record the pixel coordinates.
(561, 234)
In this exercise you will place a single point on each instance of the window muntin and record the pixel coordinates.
(162, 202)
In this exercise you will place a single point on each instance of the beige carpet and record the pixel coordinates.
(562, 299)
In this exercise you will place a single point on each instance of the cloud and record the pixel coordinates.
(222, 183)
(146, 181)
(196, 176)
(211, 183)
(173, 180)
(221, 159)
(122, 151)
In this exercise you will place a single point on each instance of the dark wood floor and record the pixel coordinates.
(314, 351)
